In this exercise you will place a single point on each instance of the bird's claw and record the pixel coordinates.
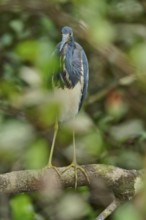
(77, 167)
(50, 166)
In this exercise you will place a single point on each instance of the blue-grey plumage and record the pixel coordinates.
(71, 79)
(70, 84)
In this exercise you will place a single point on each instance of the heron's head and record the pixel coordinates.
(67, 36)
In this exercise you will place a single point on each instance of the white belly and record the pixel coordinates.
(69, 100)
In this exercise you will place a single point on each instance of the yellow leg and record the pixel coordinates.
(75, 165)
(52, 148)
(53, 144)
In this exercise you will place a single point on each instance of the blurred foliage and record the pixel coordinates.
(25, 210)
(113, 130)
(127, 211)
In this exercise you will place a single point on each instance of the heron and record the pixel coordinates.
(69, 84)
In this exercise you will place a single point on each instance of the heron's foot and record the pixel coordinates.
(50, 166)
(76, 168)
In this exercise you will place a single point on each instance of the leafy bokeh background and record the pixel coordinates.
(110, 128)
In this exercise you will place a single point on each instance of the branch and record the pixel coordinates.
(109, 210)
(124, 183)
(124, 81)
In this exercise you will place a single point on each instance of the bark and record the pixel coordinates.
(124, 183)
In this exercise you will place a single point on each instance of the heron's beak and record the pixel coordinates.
(65, 38)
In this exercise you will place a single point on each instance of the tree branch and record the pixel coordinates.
(124, 183)
(109, 210)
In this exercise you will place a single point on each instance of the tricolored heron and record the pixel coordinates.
(70, 83)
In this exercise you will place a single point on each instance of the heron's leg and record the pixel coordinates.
(53, 144)
(74, 149)
(52, 148)
(75, 165)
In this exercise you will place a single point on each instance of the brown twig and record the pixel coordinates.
(109, 210)
(127, 80)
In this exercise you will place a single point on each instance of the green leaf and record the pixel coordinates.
(6, 39)
(126, 212)
(17, 26)
(37, 155)
(22, 208)
(27, 50)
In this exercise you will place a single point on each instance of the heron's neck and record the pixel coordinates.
(69, 73)
(68, 55)
(71, 70)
